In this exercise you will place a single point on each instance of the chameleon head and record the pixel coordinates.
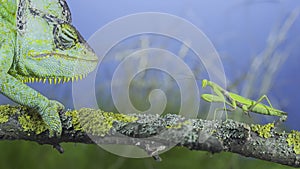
(49, 47)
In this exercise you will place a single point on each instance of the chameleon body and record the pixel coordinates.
(38, 43)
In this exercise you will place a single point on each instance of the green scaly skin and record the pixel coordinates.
(38, 43)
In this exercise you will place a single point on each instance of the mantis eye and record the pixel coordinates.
(65, 36)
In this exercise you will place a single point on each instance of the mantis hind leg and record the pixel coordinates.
(277, 122)
(259, 101)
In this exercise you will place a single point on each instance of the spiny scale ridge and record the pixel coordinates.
(53, 80)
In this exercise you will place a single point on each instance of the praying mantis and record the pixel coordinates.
(234, 100)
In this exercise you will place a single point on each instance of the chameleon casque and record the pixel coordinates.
(38, 43)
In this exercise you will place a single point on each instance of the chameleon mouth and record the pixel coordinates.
(67, 57)
(54, 80)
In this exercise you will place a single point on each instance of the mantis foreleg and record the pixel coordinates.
(221, 99)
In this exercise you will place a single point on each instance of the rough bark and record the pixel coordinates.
(154, 134)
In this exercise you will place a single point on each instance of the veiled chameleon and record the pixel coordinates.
(38, 43)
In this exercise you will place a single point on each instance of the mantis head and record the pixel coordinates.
(204, 83)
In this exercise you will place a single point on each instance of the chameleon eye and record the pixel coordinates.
(65, 36)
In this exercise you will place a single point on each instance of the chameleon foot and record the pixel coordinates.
(51, 117)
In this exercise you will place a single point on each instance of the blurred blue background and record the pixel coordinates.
(245, 33)
(257, 41)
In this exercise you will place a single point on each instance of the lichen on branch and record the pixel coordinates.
(154, 133)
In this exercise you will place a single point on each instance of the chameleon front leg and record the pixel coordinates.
(24, 95)
(19, 92)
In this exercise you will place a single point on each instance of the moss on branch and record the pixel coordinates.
(154, 133)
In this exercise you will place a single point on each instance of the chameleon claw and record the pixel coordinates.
(51, 117)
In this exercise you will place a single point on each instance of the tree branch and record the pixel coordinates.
(153, 133)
